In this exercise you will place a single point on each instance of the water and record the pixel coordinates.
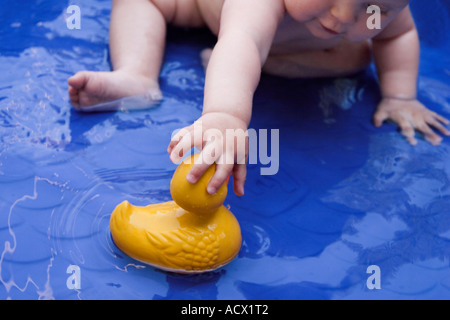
(347, 196)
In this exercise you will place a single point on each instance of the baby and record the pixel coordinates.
(290, 38)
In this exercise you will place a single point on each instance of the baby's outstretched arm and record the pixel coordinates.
(246, 32)
(396, 53)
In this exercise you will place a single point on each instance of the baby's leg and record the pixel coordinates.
(343, 60)
(137, 36)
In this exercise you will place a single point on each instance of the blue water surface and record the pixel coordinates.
(346, 196)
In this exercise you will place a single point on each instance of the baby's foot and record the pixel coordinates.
(87, 88)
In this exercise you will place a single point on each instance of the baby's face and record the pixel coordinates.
(328, 19)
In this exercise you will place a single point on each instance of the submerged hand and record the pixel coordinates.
(411, 115)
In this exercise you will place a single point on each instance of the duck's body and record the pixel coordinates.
(192, 235)
(171, 238)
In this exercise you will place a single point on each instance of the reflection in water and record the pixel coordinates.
(407, 229)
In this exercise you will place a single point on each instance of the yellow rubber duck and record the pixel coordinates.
(194, 233)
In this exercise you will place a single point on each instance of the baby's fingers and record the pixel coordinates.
(429, 134)
(176, 139)
(207, 157)
(379, 117)
(239, 176)
(437, 123)
(224, 166)
(180, 148)
(220, 177)
(407, 130)
(198, 169)
(181, 143)
(440, 118)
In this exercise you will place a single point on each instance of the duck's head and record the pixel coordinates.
(193, 197)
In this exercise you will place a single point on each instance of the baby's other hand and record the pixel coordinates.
(411, 115)
(222, 139)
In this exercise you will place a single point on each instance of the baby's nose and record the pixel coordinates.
(344, 12)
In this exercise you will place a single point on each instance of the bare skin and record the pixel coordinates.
(290, 38)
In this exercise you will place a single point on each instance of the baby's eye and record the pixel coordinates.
(383, 10)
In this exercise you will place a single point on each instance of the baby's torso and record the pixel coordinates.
(290, 37)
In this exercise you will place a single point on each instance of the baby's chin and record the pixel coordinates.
(316, 30)
(358, 36)
(353, 34)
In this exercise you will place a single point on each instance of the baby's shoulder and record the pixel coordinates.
(401, 23)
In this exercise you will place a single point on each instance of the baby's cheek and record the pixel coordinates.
(361, 32)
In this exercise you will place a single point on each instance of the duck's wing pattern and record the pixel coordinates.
(186, 248)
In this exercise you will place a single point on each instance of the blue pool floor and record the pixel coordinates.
(346, 197)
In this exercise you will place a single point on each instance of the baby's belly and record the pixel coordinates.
(210, 11)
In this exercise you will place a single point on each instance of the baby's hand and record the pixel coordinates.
(411, 115)
(222, 139)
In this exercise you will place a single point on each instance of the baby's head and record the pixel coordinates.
(345, 18)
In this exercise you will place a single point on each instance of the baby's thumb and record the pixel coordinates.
(379, 117)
